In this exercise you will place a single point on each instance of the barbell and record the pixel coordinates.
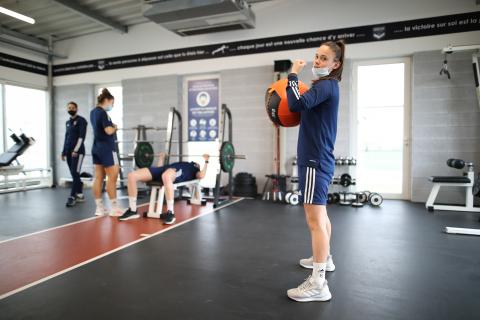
(144, 155)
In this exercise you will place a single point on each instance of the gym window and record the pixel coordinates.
(25, 110)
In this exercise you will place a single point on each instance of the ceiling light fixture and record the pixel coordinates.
(16, 15)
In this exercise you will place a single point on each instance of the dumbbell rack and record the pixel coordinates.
(346, 181)
(343, 183)
(293, 196)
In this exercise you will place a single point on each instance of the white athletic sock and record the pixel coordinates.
(170, 205)
(99, 203)
(114, 203)
(319, 272)
(132, 203)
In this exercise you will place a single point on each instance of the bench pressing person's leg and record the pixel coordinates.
(140, 175)
(168, 178)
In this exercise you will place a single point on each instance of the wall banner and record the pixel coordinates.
(370, 33)
(7, 60)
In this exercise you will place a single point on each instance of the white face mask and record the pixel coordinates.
(320, 72)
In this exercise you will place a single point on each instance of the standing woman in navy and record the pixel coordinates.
(104, 154)
(74, 151)
(316, 139)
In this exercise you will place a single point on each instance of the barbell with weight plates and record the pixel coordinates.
(142, 127)
(144, 155)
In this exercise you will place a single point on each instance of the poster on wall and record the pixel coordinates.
(203, 109)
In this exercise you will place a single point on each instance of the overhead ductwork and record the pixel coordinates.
(192, 17)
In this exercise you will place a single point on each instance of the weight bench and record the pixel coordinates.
(158, 192)
(467, 181)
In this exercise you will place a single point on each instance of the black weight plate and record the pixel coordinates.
(144, 154)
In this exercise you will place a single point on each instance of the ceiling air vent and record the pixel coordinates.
(192, 17)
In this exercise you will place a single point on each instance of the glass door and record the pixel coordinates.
(382, 126)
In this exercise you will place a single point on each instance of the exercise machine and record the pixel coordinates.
(11, 167)
(466, 180)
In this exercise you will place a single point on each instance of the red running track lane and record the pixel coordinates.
(30, 259)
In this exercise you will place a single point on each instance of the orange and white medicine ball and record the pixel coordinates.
(277, 105)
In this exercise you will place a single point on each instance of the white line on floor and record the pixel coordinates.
(5, 295)
(58, 227)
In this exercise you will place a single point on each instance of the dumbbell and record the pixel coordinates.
(345, 180)
(329, 198)
(343, 199)
(292, 197)
(358, 203)
(336, 197)
(375, 199)
(363, 196)
(287, 196)
(295, 198)
(333, 198)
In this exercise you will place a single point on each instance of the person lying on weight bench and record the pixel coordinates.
(168, 174)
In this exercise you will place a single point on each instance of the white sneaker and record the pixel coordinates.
(80, 197)
(101, 211)
(308, 263)
(116, 212)
(310, 290)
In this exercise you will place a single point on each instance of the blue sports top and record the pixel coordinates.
(318, 108)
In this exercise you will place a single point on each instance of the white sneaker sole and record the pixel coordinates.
(100, 214)
(323, 298)
(170, 222)
(307, 266)
(135, 216)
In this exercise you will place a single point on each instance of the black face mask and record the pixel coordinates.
(72, 113)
